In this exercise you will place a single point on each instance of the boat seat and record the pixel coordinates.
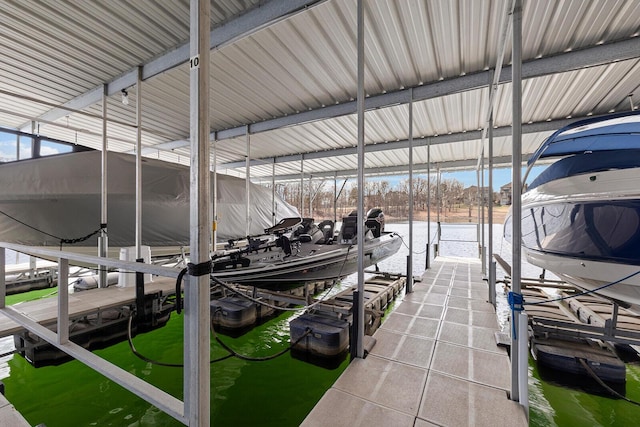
(284, 243)
(304, 238)
(326, 227)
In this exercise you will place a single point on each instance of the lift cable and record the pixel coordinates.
(231, 352)
(593, 375)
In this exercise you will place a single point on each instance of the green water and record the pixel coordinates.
(280, 392)
(555, 405)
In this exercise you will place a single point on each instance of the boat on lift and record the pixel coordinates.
(55, 201)
(581, 215)
(297, 251)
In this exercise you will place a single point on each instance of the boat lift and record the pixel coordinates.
(619, 327)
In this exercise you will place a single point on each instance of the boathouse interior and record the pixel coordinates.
(290, 100)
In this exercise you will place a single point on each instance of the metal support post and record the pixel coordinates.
(360, 305)
(492, 283)
(247, 183)
(63, 301)
(410, 256)
(197, 374)
(523, 362)
(516, 165)
(3, 283)
(139, 164)
(140, 315)
(428, 262)
(355, 325)
(273, 192)
(103, 242)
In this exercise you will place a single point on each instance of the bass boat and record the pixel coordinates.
(296, 250)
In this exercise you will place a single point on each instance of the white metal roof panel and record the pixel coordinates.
(58, 50)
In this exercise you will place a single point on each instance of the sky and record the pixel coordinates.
(468, 178)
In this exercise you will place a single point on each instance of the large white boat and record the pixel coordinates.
(56, 200)
(581, 216)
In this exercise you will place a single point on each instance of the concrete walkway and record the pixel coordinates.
(435, 362)
(9, 417)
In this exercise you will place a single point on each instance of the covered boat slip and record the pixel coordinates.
(435, 362)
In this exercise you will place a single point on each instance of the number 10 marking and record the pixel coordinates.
(194, 62)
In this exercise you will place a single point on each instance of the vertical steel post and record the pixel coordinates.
(523, 363)
(139, 164)
(302, 187)
(428, 262)
(273, 192)
(3, 283)
(335, 197)
(360, 300)
(103, 243)
(197, 379)
(516, 165)
(214, 198)
(311, 196)
(438, 203)
(248, 183)
(63, 301)
(410, 256)
(482, 217)
(492, 263)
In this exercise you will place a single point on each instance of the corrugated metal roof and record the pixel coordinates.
(304, 61)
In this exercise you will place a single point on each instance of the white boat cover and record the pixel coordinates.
(51, 198)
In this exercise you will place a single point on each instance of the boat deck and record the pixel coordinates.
(435, 362)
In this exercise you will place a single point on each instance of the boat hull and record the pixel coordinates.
(586, 230)
(309, 263)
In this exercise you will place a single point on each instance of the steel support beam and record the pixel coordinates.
(546, 126)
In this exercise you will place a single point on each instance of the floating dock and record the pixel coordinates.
(325, 331)
(98, 317)
(435, 362)
(26, 277)
(576, 339)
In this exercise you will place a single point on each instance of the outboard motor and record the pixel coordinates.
(375, 221)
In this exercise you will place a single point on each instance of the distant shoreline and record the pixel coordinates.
(460, 214)
(456, 215)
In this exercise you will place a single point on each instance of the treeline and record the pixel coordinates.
(318, 196)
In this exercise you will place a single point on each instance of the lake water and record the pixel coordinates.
(279, 392)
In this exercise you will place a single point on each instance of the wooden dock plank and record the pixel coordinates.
(436, 361)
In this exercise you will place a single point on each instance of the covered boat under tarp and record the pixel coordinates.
(58, 197)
